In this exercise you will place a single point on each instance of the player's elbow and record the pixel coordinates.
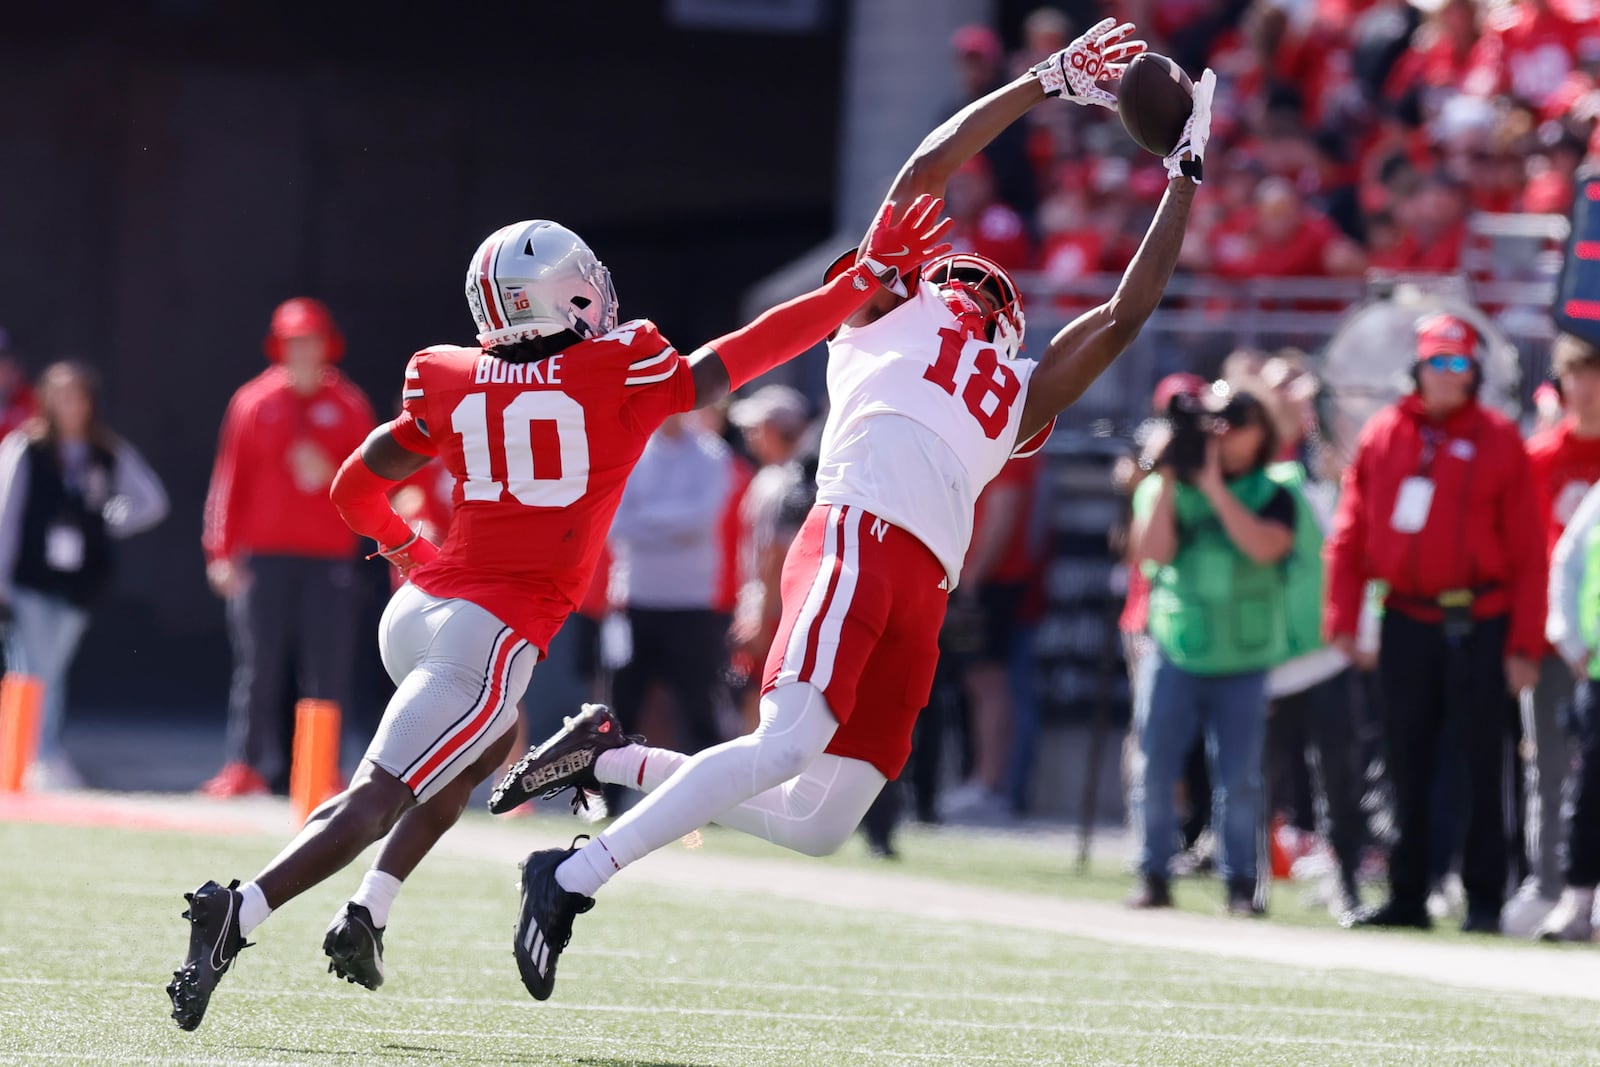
(1125, 317)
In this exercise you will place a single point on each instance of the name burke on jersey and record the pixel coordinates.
(497, 371)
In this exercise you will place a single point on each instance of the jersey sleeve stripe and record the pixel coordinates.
(411, 394)
(413, 372)
(646, 379)
(652, 361)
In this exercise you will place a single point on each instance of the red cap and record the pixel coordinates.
(302, 317)
(1181, 383)
(1443, 334)
(977, 40)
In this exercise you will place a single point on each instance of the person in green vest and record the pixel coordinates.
(1573, 628)
(1213, 531)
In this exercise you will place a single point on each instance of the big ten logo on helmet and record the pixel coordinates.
(516, 297)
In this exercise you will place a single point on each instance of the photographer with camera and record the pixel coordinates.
(1439, 504)
(1212, 531)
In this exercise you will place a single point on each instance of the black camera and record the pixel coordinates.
(1189, 424)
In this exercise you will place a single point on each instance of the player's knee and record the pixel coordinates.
(374, 805)
(811, 839)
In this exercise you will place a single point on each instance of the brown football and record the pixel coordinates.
(1154, 99)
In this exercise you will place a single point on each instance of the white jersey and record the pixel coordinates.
(921, 418)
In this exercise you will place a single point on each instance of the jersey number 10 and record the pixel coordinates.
(991, 387)
(560, 474)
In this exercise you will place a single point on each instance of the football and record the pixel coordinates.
(1154, 99)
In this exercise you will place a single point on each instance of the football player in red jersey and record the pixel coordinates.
(928, 400)
(540, 425)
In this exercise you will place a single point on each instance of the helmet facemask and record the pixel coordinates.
(983, 296)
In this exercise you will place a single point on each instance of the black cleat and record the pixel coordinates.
(565, 760)
(1388, 917)
(214, 940)
(354, 947)
(545, 924)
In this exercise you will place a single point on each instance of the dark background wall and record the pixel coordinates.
(170, 171)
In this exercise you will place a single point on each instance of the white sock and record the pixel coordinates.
(587, 869)
(637, 766)
(377, 892)
(253, 908)
(796, 726)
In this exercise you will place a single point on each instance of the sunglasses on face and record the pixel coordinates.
(1452, 364)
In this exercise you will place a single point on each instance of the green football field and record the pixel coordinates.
(692, 968)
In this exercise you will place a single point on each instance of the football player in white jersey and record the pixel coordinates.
(928, 401)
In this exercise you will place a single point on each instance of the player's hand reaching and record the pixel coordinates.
(1099, 55)
(1189, 156)
(895, 248)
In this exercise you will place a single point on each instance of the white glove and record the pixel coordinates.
(1196, 132)
(1100, 54)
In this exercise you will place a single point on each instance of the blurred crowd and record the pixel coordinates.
(1338, 656)
(1347, 135)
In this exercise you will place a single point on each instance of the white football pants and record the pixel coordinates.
(776, 783)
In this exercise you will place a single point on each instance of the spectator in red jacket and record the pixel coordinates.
(1565, 461)
(1439, 505)
(276, 550)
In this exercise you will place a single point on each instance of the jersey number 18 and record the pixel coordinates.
(991, 387)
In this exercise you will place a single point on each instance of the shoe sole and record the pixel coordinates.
(522, 784)
(351, 962)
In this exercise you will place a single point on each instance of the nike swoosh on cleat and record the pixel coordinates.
(216, 963)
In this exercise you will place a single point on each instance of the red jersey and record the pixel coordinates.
(540, 453)
(1564, 467)
(277, 453)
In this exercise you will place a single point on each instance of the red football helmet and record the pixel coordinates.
(982, 295)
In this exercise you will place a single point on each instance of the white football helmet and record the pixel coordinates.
(536, 278)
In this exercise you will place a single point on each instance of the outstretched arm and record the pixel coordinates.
(1070, 74)
(1087, 346)
(894, 248)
